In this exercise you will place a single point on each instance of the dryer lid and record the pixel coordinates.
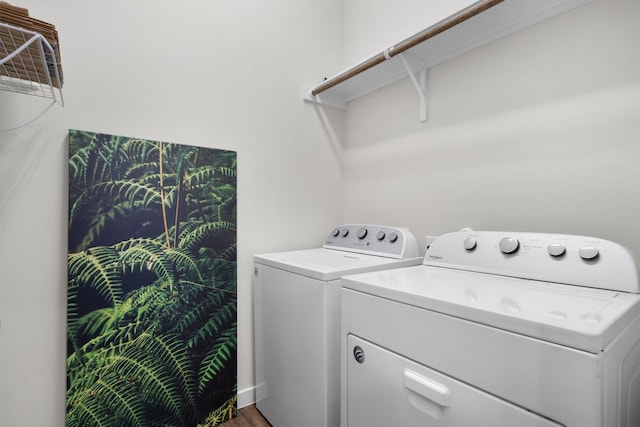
(578, 317)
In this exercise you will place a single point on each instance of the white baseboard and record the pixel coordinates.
(246, 397)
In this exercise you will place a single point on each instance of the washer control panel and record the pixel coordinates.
(380, 240)
(559, 258)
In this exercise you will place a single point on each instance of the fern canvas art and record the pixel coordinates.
(151, 329)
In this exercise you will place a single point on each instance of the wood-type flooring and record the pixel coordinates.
(248, 416)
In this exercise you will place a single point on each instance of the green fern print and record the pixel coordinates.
(151, 335)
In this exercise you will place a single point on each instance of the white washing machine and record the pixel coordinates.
(495, 329)
(297, 319)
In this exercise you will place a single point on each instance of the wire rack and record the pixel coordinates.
(28, 64)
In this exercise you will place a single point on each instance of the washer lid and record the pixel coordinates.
(579, 317)
(329, 264)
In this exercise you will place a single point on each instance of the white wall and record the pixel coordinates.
(220, 74)
(371, 26)
(539, 131)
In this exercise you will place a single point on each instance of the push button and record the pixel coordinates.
(556, 249)
(588, 252)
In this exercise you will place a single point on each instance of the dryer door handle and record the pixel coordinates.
(427, 388)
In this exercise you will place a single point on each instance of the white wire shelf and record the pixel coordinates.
(29, 64)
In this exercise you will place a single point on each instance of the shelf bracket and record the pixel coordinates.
(420, 83)
(324, 100)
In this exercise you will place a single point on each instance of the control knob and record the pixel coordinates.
(470, 243)
(336, 232)
(381, 235)
(588, 252)
(509, 245)
(393, 236)
(345, 232)
(362, 233)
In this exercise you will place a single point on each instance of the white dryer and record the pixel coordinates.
(495, 329)
(297, 319)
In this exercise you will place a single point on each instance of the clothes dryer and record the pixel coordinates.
(495, 329)
(297, 319)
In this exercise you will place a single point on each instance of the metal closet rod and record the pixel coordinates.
(408, 43)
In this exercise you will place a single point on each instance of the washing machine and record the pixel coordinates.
(297, 319)
(495, 329)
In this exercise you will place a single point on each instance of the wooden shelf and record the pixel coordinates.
(477, 25)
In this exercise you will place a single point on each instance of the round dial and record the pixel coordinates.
(393, 236)
(362, 233)
(336, 232)
(509, 245)
(470, 243)
(588, 252)
(381, 235)
(345, 232)
(556, 249)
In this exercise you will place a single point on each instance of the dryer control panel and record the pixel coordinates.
(380, 240)
(569, 259)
